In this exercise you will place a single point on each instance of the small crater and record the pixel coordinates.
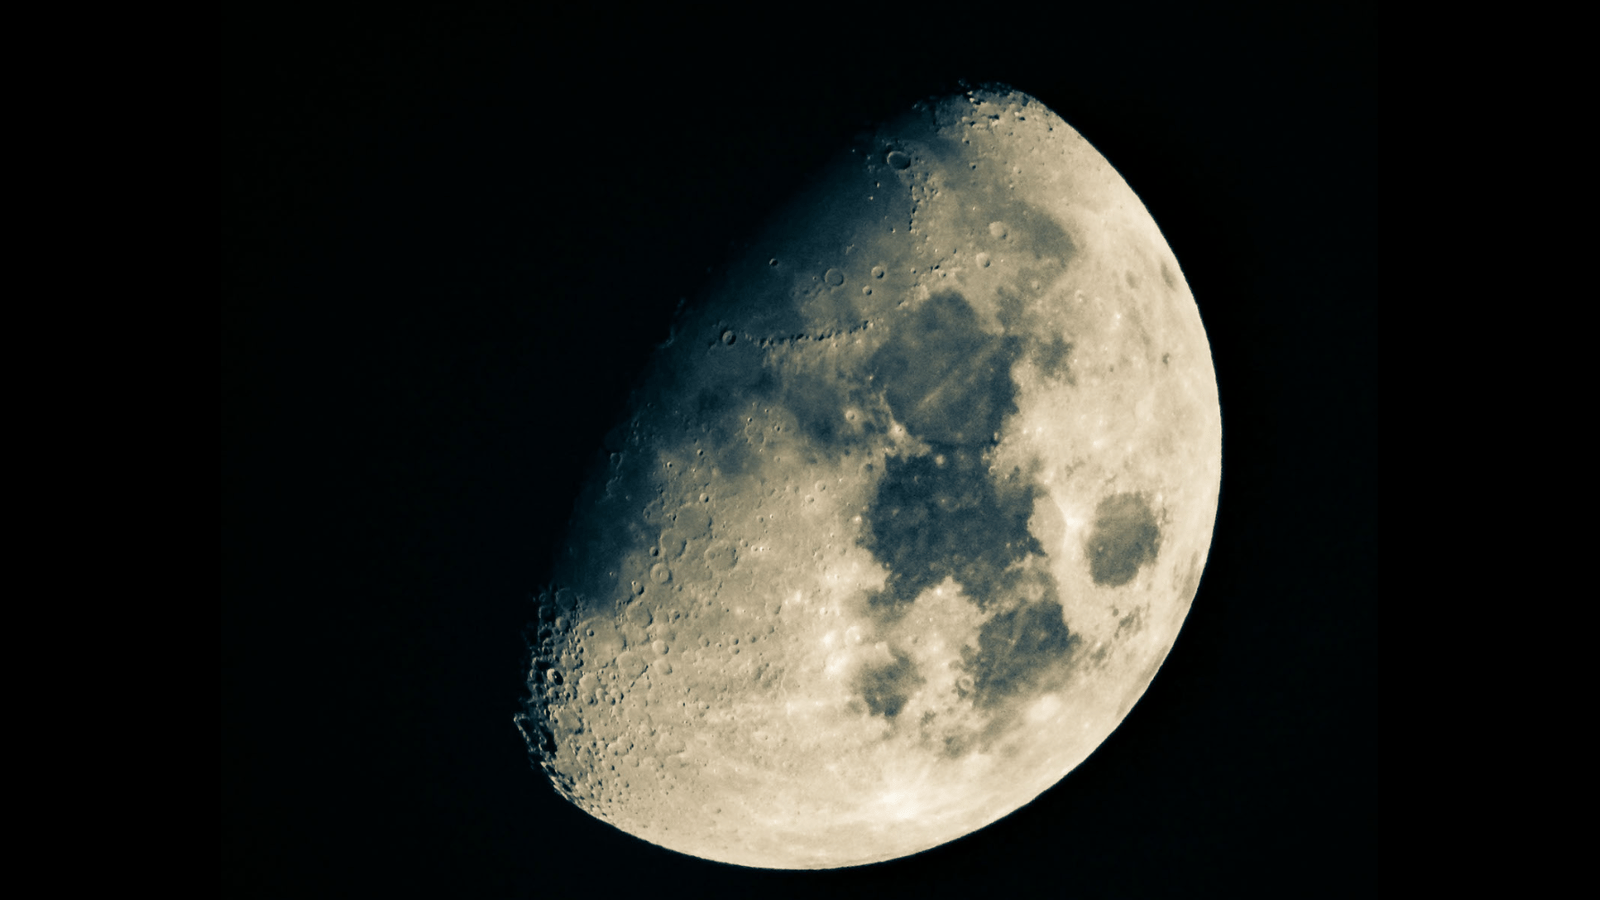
(672, 543)
(630, 665)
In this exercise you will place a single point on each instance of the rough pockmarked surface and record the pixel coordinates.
(902, 521)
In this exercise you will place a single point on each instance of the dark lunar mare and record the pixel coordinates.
(946, 515)
(1015, 648)
(946, 379)
(886, 688)
(1125, 537)
(933, 520)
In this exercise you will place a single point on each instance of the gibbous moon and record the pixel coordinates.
(902, 520)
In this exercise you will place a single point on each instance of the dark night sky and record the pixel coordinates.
(449, 239)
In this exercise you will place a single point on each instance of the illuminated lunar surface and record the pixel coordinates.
(902, 521)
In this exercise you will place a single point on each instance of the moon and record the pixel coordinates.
(901, 521)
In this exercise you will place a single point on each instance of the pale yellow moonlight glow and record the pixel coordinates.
(902, 521)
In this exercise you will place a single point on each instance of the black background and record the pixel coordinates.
(450, 236)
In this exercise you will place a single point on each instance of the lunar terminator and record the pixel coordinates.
(903, 519)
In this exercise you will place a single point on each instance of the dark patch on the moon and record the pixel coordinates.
(945, 378)
(720, 425)
(1166, 275)
(1130, 623)
(1125, 537)
(709, 402)
(1132, 279)
(947, 515)
(955, 746)
(818, 403)
(886, 688)
(765, 384)
(943, 516)
(1010, 307)
(1035, 248)
(1016, 648)
(1052, 356)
